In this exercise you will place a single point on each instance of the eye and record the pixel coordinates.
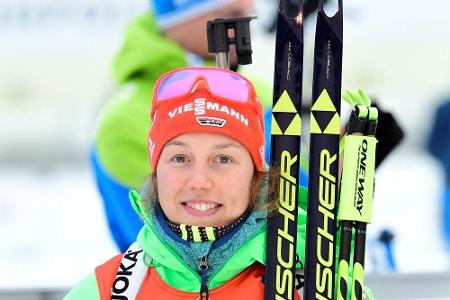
(224, 159)
(179, 158)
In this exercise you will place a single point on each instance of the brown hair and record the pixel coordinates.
(262, 182)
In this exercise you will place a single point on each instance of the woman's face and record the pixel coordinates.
(204, 179)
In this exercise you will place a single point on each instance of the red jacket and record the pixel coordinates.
(246, 285)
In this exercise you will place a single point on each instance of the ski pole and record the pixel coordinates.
(356, 192)
(360, 226)
(356, 127)
(285, 154)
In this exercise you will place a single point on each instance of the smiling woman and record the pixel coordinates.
(204, 184)
(205, 206)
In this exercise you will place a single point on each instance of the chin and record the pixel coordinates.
(206, 222)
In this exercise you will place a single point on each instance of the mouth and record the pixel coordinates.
(201, 209)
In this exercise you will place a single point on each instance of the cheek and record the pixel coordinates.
(168, 185)
(241, 189)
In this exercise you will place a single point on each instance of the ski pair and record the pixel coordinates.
(355, 207)
(281, 260)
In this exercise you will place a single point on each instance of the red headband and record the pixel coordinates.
(199, 100)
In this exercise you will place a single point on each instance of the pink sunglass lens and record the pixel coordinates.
(175, 85)
(221, 84)
(228, 85)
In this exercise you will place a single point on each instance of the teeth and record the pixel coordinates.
(202, 206)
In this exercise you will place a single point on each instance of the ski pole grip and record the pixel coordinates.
(357, 179)
(217, 33)
(243, 42)
(373, 121)
(356, 124)
(219, 40)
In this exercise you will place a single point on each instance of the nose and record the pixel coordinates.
(200, 177)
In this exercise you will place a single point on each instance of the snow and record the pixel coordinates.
(52, 227)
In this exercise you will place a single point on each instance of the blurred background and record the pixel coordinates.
(55, 74)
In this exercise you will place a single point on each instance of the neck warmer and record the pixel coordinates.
(218, 251)
(193, 233)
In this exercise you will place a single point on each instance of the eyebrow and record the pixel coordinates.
(175, 143)
(227, 145)
(218, 146)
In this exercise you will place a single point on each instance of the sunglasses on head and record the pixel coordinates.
(220, 82)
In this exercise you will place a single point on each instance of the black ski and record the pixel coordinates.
(323, 194)
(285, 155)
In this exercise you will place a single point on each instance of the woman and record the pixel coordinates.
(171, 36)
(205, 206)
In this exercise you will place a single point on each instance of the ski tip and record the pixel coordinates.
(321, 2)
(340, 6)
(298, 18)
(300, 8)
(282, 6)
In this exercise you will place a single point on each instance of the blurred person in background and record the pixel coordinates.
(439, 147)
(173, 35)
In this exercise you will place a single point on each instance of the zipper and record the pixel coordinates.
(204, 293)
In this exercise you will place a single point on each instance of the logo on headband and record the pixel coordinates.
(262, 152)
(211, 121)
(201, 105)
(151, 146)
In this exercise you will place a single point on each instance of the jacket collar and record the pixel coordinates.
(161, 250)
